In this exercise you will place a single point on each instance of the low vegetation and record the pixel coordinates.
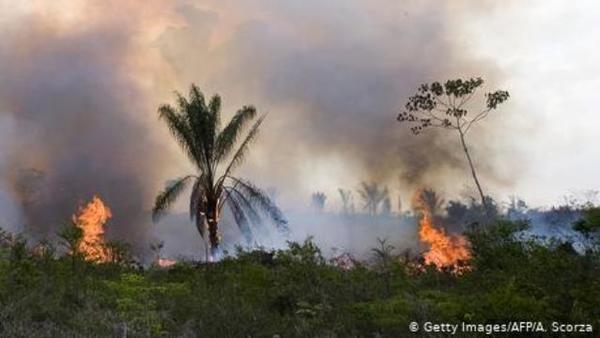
(296, 292)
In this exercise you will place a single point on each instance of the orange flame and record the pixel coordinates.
(91, 220)
(446, 251)
(166, 262)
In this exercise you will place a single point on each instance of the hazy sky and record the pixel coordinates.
(547, 51)
(334, 74)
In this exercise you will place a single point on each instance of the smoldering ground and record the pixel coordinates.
(332, 76)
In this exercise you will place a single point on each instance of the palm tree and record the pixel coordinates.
(196, 126)
(347, 201)
(431, 200)
(372, 195)
(318, 200)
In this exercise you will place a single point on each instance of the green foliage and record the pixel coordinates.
(295, 292)
(589, 224)
(445, 105)
(118, 252)
(71, 237)
(136, 300)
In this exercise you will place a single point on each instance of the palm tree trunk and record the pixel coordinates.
(206, 248)
(213, 238)
(466, 150)
(201, 226)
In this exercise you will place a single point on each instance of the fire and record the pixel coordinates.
(91, 219)
(446, 251)
(166, 262)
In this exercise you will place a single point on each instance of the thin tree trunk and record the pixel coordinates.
(466, 150)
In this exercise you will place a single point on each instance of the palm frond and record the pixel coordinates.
(194, 114)
(196, 96)
(239, 155)
(260, 199)
(182, 102)
(372, 195)
(203, 127)
(230, 134)
(240, 218)
(214, 108)
(182, 133)
(165, 199)
(247, 206)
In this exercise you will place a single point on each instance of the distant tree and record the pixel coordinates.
(318, 200)
(581, 199)
(558, 216)
(516, 208)
(431, 200)
(196, 126)
(400, 205)
(386, 206)
(372, 196)
(589, 224)
(445, 106)
(460, 215)
(347, 201)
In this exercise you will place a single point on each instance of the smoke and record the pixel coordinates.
(81, 80)
(73, 88)
(11, 218)
(333, 75)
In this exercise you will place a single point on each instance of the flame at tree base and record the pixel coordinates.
(91, 219)
(446, 251)
(165, 262)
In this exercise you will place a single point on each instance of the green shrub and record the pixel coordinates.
(295, 292)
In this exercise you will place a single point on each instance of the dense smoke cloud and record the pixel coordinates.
(11, 218)
(82, 81)
(333, 75)
(72, 91)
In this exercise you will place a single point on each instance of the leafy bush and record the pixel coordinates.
(296, 292)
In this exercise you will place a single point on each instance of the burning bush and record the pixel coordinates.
(445, 251)
(91, 219)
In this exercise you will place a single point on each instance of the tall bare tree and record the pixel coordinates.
(445, 106)
(196, 126)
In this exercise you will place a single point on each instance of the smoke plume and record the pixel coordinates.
(73, 91)
(333, 75)
(81, 82)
